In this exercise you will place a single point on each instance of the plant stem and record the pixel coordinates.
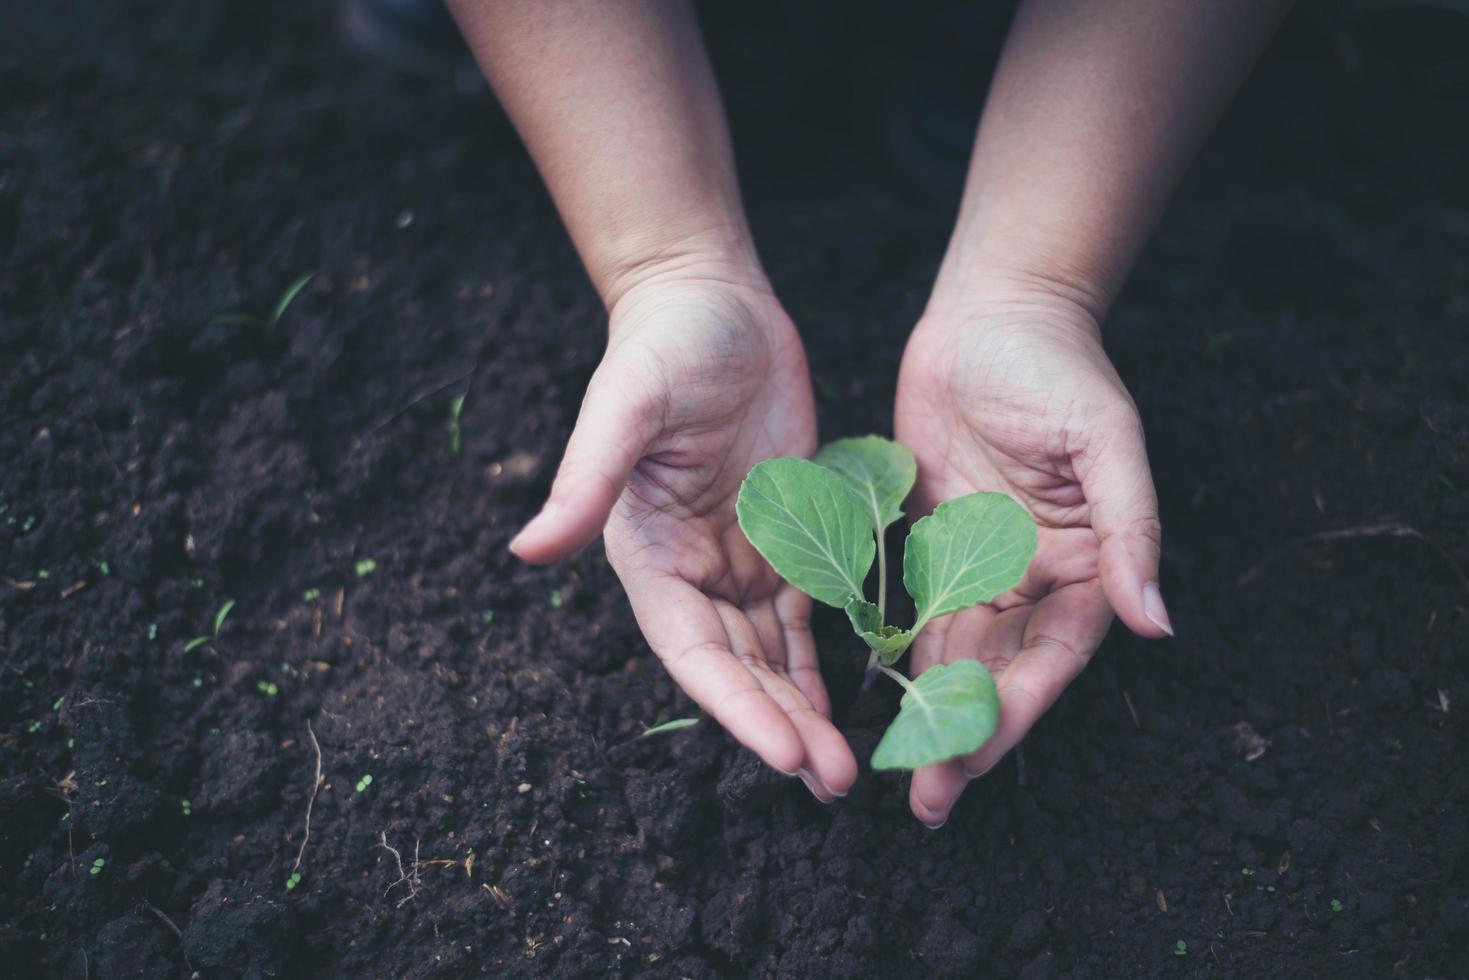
(882, 578)
(895, 675)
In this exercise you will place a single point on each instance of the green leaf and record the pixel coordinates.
(969, 550)
(883, 472)
(221, 616)
(950, 710)
(889, 642)
(669, 726)
(810, 525)
(287, 297)
(195, 643)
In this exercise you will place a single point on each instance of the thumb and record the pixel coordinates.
(1124, 514)
(612, 433)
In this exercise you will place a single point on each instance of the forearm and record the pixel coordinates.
(1095, 110)
(617, 104)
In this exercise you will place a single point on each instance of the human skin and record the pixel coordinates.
(703, 377)
(1095, 110)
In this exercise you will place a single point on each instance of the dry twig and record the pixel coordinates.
(310, 802)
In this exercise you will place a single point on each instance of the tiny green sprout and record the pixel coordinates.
(30, 858)
(820, 522)
(152, 631)
(268, 688)
(1336, 905)
(196, 582)
(310, 595)
(198, 680)
(487, 617)
(43, 575)
(71, 743)
(1247, 872)
(365, 567)
(56, 705)
(27, 524)
(456, 408)
(27, 683)
(101, 782)
(213, 637)
(103, 567)
(98, 865)
(293, 881)
(285, 300)
(1180, 948)
(675, 725)
(187, 807)
(33, 727)
(364, 782)
(557, 600)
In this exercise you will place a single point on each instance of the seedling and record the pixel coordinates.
(1180, 948)
(98, 865)
(186, 807)
(219, 619)
(310, 596)
(820, 522)
(676, 724)
(1336, 905)
(267, 323)
(365, 567)
(557, 599)
(268, 688)
(456, 408)
(293, 881)
(364, 782)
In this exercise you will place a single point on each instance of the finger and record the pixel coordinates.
(1059, 639)
(802, 664)
(936, 788)
(827, 768)
(1123, 507)
(688, 634)
(613, 430)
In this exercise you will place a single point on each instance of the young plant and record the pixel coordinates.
(219, 619)
(820, 522)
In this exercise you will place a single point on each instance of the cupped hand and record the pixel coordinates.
(1019, 397)
(703, 377)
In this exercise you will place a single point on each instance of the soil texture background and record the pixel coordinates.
(1279, 791)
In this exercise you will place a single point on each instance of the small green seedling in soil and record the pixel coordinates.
(1336, 905)
(268, 323)
(293, 881)
(219, 619)
(456, 408)
(310, 596)
(820, 522)
(186, 807)
(364, 782)
(557, 599)
(675, 725)
(268, 688)
(98, 865)
(1180, 948)
(365, 567)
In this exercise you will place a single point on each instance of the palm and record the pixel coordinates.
(702, 383)
(1020, 404)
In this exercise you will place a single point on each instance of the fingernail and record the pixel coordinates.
(1154, 609)
(539, 520)
(812, 782)
(976, 775)
(939, 825)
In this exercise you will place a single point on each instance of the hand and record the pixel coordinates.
(702, 379)
(1019, 397)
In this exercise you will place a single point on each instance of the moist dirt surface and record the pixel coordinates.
(1279, 791)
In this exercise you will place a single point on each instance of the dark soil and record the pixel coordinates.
(1295, 339)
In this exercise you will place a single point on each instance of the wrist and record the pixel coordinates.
(722, 255)
(995, 291)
